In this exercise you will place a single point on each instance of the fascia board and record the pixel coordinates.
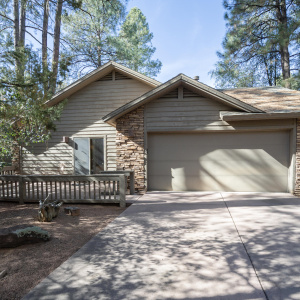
(236, 116)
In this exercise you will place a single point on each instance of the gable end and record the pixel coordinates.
(107, 77)
(120, 76)
(192, 88)
(188, 93)
(107, 72)
(171, 94)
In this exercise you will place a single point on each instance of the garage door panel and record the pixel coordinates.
(190, 162)
(249, 183)
(216, 183)
(201, 150)
(246, 138)
(256, 157)
(215, 169)
(247, 154)
(218, 168)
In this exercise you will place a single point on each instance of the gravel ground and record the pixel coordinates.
(27, 265)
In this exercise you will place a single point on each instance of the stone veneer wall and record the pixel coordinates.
(297, 187)
(130, 146)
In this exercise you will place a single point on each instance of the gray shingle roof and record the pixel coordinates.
(268, 99)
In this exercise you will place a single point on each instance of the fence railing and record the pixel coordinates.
(68, 188)
(128, 173)
(9, 170)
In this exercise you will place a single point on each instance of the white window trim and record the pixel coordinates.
(90, 137)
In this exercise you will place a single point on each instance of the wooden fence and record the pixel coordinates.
(109, 188)
(129, 175)
(8, 170)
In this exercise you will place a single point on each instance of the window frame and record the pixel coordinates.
(89, 139)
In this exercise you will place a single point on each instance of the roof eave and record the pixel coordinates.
(235, 116)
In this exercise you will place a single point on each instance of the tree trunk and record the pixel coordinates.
(285, 64)
(22, 23)
(44, 45)
(16, 23)
(267, 69)
(17, 35)
(284, 40)
(99, 49)
(56, 45)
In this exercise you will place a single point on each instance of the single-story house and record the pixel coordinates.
(180, 135)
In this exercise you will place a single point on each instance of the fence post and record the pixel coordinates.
(132, 187)
(22, 190)
(123, 184)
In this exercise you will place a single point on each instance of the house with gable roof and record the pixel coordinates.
(181, 135)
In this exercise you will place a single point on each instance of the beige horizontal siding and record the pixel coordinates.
(199, 114)
(190, 113)
(81, 117)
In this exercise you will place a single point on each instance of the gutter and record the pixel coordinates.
(239, 116)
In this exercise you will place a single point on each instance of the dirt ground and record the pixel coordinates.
(27, 265)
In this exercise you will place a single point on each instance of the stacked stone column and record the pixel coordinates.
(130, 146)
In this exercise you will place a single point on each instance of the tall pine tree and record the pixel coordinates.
(26, 82)
(88, 33)
(98, 33)
(262, 41)
(134, 47)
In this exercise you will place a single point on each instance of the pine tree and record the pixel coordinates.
(134, 47)
(88, 32)
(25, 80)
(24, 119)
(98, 33)
(262, 39)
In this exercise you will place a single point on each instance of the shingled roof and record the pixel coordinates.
(268, 99)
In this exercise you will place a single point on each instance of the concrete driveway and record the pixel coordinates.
(195, 245)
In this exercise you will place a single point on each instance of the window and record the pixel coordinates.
(88, 156)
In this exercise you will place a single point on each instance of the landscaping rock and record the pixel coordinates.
(22, 234)
(72, 211)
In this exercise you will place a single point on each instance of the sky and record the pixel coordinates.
(187, 35)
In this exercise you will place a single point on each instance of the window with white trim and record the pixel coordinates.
(89, 157)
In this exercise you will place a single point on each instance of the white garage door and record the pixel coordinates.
(248, 161)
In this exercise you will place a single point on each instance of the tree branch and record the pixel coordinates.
(4, 16)
(5, 28)
(36, 39)
(14, 84)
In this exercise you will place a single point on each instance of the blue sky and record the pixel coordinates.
(187, 35)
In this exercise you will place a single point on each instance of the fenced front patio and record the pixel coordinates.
(108, 188)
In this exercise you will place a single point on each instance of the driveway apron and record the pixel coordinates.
(169, 246)
(269, 226)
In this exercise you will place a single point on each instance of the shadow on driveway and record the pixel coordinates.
(186, 246)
